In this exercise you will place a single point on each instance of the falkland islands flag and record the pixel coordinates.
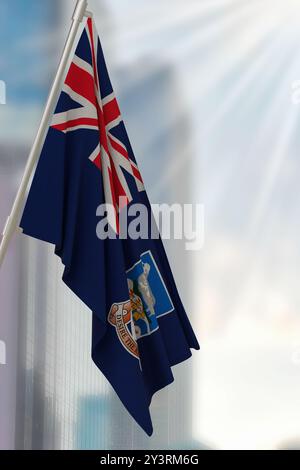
(140, 328)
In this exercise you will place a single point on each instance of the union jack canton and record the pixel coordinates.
(97, 108)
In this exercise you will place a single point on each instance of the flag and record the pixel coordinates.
(140, 328)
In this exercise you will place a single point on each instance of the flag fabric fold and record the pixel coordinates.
(140, 328)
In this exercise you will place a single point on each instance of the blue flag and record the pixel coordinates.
(140, 328)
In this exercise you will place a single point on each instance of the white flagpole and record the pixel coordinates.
(14, 218)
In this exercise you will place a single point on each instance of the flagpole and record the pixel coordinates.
(14, 218)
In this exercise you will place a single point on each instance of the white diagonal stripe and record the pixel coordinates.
(76, 97)
(95, 153)
(108, 98)
(72, 114)
(113, 123)
(83, 65)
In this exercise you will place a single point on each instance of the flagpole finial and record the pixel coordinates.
(80, 10)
